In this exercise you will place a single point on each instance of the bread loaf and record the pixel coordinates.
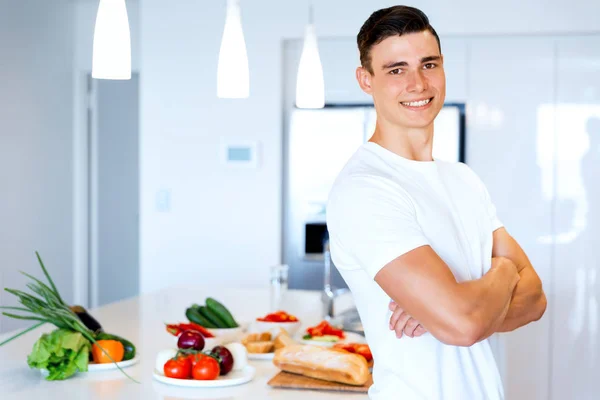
(283, 339)
(256, 337)
(323, 363)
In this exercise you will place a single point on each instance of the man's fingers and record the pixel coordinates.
(411, 326)
(396, 313)
(419, 331)
(393, 305)
(400, 324)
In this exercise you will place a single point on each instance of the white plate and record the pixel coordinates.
(102, 367)
(231, 379)
(261, 356)
(110, 366)
(351, 337)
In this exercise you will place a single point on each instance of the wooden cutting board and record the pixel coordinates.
(293, 381)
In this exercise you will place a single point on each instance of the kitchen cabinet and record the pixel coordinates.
(510, 137)
(575, 355)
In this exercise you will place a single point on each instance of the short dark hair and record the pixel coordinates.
(392, 21)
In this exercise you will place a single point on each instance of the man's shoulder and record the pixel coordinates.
(362, 178)
(463, 172)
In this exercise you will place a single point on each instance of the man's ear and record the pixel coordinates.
(364, 79)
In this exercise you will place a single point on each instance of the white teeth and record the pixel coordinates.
(417, 103)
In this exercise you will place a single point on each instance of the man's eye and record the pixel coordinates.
(395, 71)
(430, 66)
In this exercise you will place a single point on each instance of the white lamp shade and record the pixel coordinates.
(310, 87)
(233, 76)
(112, 42)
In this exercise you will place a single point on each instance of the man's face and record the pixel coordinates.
(408, 83)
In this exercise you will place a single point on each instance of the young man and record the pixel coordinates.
(423, 233)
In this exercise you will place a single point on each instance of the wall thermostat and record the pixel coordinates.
(240, 153)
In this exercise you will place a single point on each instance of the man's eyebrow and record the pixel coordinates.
(396, 64)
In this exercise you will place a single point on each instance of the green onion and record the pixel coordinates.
(49, 307)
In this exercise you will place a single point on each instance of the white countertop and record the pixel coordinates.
(141, 320)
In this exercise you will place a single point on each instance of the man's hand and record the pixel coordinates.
(401, 322)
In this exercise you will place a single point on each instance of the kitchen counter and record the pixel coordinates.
(142, 320)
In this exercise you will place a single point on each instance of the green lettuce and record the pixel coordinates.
(62, 352)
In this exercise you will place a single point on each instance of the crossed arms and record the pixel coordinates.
(427, 297)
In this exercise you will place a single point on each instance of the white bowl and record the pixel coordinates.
(274, 327)
(209, 343)
(228, 335)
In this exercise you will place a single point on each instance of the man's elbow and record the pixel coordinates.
(463, 334)
(540, 308)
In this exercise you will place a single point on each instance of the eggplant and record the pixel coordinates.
(87, 320)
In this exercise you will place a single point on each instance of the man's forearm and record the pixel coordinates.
(528, 302)
(491, 297)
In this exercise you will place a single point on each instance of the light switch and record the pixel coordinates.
(163, 200)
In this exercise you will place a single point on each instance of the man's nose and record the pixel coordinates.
(416, 82)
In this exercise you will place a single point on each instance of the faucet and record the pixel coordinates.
(329, 293)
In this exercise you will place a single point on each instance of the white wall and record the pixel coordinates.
(36, 108)
(224, 225)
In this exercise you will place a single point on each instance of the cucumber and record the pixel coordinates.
(127, 345)
(325, 338)
(212, 317)
(222, 312)
(194, 316)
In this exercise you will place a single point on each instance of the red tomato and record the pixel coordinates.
(345, 346)
(181, 368)
(206, 369)
(325, 329)
(194, 358)
(279, 316)
(364, 350)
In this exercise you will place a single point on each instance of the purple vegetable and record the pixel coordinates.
(191, 339)
(224, 357)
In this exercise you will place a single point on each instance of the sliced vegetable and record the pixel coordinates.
(113, 351)
(357, 348)
(324, 328)
(222, 312)
(194, 316)
(127, 345)
(279, 316)
(212, 317)
(177, 329)
(322, 338)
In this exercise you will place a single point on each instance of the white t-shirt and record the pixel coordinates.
(382, 206)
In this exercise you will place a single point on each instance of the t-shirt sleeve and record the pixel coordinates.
(491, 209)
(489, 204)
(373, 222)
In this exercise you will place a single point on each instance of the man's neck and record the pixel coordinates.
(414, 144)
